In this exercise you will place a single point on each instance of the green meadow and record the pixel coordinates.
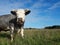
(33, 37)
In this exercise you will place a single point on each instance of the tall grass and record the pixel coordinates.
(33, 37)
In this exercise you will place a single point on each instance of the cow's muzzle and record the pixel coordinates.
(20, 21)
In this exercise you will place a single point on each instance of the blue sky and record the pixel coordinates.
(43, 12)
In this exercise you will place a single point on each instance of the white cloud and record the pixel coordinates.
(53, 7)
(6, 7)
(56, 5)
(40, 7)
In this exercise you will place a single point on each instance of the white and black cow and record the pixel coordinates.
(14, 21)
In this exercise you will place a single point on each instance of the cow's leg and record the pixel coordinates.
(11, 32)
(18, 31)
(22, 32)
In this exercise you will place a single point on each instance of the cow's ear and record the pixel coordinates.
(27, 12)
(13, 12)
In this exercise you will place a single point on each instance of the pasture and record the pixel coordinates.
(33, 37)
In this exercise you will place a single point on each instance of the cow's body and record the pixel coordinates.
(14, 21)
(5, 20)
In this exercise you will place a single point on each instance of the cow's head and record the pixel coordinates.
(20, 14)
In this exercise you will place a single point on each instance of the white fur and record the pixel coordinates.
(21, 14)
(22, 34)
(21, 31)
(18, 31)
(12, 28)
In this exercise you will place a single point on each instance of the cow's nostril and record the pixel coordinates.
(19, 19)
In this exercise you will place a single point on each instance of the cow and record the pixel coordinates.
(14, 22)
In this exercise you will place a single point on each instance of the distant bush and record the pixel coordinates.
(31, 29)
(53, 27)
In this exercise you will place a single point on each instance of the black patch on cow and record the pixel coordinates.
(27, 12)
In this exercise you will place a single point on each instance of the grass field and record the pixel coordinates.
(33, 37)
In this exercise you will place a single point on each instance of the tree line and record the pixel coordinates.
(53, 27)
